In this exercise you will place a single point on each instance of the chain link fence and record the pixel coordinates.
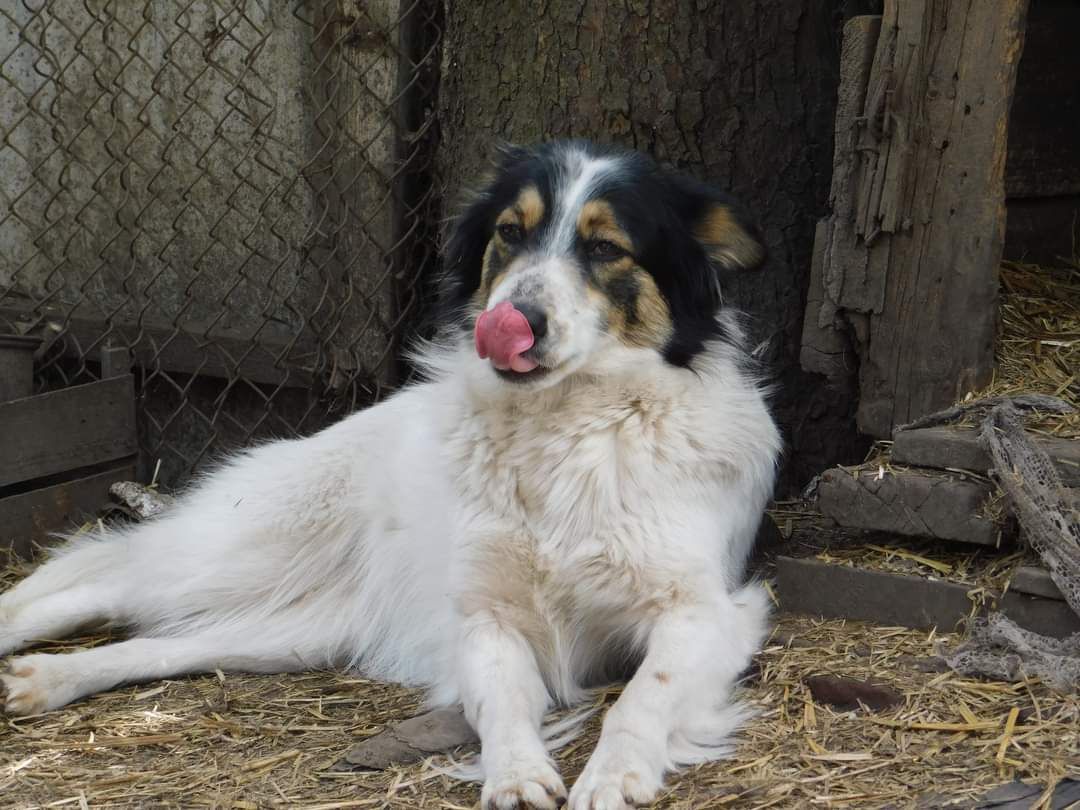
(238, 192)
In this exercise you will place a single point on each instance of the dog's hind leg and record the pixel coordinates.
(77, 588)
(43, 682)
(54, 617)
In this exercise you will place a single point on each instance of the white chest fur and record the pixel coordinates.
(587, 508)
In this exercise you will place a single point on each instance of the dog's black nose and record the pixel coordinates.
(536, 317)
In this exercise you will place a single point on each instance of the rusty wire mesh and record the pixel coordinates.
(239, 192)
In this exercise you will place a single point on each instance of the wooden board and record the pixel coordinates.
(67, 429)
(1034, 581)
(938, 505)
(915, 238)
(1051, 617)
(959, 448)
(30, 518)
(826, 347)
(839, 592)
(834, 591)
(190, 349)
(952, 69)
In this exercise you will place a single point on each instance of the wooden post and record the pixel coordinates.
(911, 251)
(352, 171)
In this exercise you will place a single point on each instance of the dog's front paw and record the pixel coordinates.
(34, 684)
(618, 776)
(524, 784)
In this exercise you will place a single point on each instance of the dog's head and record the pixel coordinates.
(574, 255)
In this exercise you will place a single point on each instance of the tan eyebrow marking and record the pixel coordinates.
(597, 221)
(527, 210)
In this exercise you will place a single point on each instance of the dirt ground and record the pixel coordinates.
(225, 741)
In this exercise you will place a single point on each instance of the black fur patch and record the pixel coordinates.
(623, 290)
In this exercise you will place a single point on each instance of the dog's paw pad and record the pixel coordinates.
(535, 786)
(29, 686)
(615, 780)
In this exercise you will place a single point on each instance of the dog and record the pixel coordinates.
(573, 488)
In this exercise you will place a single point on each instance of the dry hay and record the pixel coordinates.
(231, 741)
(1038, 344)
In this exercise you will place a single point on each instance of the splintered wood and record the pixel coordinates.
(907, 261)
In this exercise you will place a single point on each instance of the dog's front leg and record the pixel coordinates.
(675, 709)
(505, 700)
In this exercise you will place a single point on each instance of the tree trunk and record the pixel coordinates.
(739, 94)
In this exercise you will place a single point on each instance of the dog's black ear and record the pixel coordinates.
(469, 233)
(463, 254)
(721, 226)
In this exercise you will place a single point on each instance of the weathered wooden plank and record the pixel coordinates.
(357, 63)
(825, 346)
(1050, 617)
(944, 135)
(67, 429)
(847, 279)
(834, 591)
(856, 58)
(959, 448)
(16, 365)
(192, 348)
(29, 518)
(912, 266)
(941, 506)
(1035, 581)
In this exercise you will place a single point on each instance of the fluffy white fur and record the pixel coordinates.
(501, 544)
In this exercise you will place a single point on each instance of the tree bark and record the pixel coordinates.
(739, 94)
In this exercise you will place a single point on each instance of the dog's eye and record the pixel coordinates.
(604, 251)
(511, 234)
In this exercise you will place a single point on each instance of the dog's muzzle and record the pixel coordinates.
(503, 334)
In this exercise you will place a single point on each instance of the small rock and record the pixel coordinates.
(138, 501)
(849, 693)
(411, 740)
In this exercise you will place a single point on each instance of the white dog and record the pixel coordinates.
(576, 486)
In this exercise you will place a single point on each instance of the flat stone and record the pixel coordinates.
(958, 448)
(140, 501)
(412, 740)
(936, 505)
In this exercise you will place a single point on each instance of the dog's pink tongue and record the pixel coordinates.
(503, 333)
